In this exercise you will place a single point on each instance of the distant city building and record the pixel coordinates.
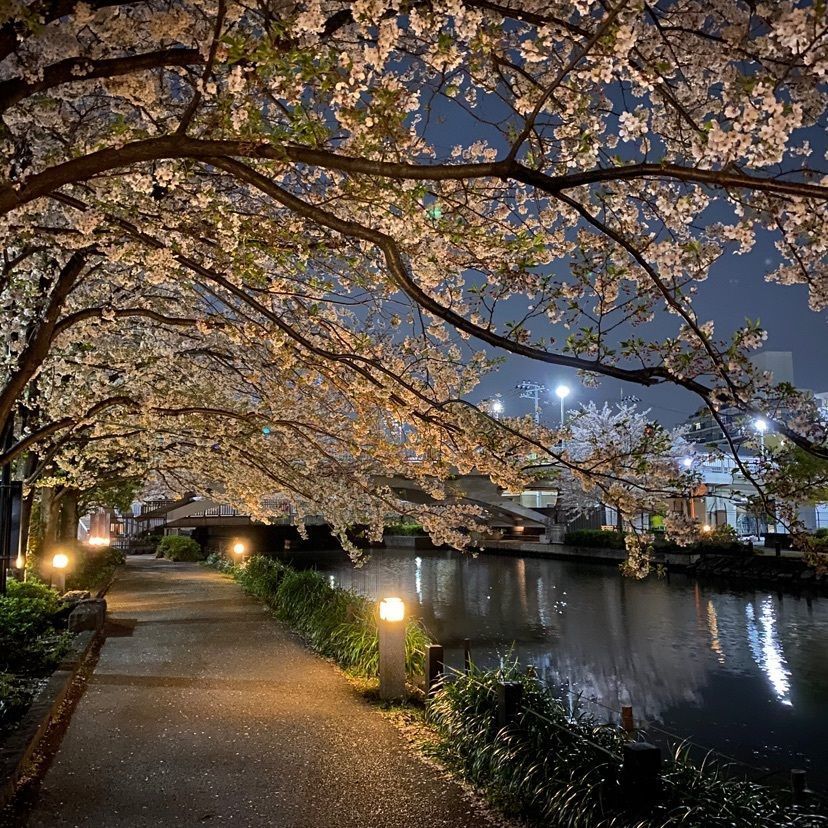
(778, 363)
(706, 431)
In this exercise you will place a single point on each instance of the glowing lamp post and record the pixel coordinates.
(761, 426)
(562, 392)
(59, 563)
(239, 549)
(392, 648)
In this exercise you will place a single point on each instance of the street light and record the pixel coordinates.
(59, 563)
(392, 648)
(239, 549)
(687, 462)
(761, 426)
(562, 392)
(497, 408)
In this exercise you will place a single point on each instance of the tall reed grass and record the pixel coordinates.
(336, 622)
(552, 771)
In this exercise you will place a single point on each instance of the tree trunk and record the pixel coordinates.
(25, 520)
(50, 518)
(68, 531)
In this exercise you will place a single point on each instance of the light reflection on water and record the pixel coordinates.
(743, 672)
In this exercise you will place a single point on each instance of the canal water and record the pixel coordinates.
(744, 672)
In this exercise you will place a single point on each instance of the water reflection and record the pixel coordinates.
(742, 672)
(766, 649)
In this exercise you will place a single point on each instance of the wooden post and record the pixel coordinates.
(467, 654)
(640, 773)
(509, 696)
(435, 666)
(627, 720)
(799, 789)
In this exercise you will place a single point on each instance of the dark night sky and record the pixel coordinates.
(735, 290)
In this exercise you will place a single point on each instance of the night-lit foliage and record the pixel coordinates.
(552, 770)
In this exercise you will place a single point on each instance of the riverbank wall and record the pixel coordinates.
(677, 561)
(761, 568)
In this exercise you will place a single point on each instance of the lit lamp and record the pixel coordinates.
(20, 563)
(392, 648)
(497, 409)
(761, 426)
(706, 527)
(59, 563)
(239, 549)
(562, 392)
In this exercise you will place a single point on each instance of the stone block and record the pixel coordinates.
(88, 615)
(74, 596)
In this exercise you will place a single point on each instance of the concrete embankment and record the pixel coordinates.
(762, 567)
(675, 560)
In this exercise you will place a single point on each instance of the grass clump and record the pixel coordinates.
(551, 770)
(336, 622)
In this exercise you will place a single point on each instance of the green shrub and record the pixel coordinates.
(552, 770)
(404, 529)
(180, 548)
(260, 576)
(30, 643)
(218, 561)
(94, 566)
(821, 533)
(596, 538)
(15, 695)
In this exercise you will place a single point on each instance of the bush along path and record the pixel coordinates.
(337, 623)
(33, 629)
(530, 759)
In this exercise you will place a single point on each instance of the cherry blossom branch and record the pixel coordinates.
(174, 146)
(121, 313)
(404, 281)
(71, 423)
(78, 69)
(37, 348)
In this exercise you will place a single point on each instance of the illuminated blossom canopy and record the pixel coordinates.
(328, 217)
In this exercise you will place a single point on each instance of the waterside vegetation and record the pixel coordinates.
(543, 766)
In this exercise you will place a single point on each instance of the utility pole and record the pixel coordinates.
(532, 391)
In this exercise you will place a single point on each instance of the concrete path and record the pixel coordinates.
(204, 710)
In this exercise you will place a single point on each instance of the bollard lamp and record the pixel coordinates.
(392, 609)
(60, 561)
(238, 548)
(391, 648)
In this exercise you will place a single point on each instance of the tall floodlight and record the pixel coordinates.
(562, 392)
(761, 426)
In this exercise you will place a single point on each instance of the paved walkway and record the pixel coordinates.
(203, 710)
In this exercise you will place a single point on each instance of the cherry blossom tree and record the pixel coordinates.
(370, 195)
